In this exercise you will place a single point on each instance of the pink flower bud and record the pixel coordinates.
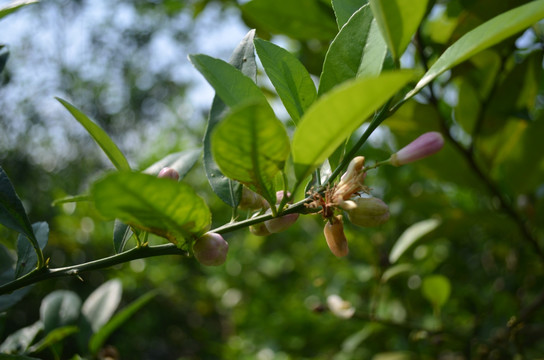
(280, 224)
(368, 212)
(259, 230)
(251, 200)
(336, 239)
(211, 249)
(425, 145)
(168, 173)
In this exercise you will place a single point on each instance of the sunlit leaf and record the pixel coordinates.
(483, 37)
(436, 289)
(357, 49)
(398, 21)
(251, 146)
(410, 236)
(100, 137)
(99, 307)
(343, 9)
(163, 206)
(59, 308)
(290, 78)
(182, 162)
(26, 256)
(14, 6)
(332, 118)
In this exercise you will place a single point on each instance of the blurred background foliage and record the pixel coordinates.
(124, 64)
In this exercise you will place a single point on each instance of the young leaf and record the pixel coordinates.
(410, 236)
(53, 337)
(352, 49)
(100, 137)
(59, 308)
(290, 78)
(121, 234)
(331, 119)
(182, 162)
(344, 9)
(398, 21)
(14, 6)
(436, 289)
(251, 145)
(481, 38)
(26, 256)
(98, 339)
(162, 206)
(101, 304)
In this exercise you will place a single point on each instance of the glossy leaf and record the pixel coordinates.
(483, 37)
(182, 162)
(301, 19)
(243, 59)
(344, 9)
(398, 21)
(100, 137)
(26, 256)
(436, 289)
(59, 308)
(337, 114)
(19, 341)
(358, 44)
(99, 307)
(162, 206)
(14, 6)
(410, 236)
(97, 340)
(290, 78)
(251, 145)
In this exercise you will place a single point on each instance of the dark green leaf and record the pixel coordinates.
(59, 308)
(14, 6)
(251, 145)
(99, 307)
(53, 337)
(483, 37)
(20, 340)
(182, 162)
(343, 9)
(12, 212)
(331, 119)
(100, 137)
(7, 274)
(290, 78)
(121, 234)
(98, 339)
(162, 206)
(358, 48)
(4, 54)
(16, 357)
(26, 256)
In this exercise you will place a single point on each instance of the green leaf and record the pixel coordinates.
(410, 236)
(98, 339)
(14, 6)
(162, 206)
(396, 270)
(121, 234)
(358, 43)
(300, 19)
(71, 199)
(343, 9)
(99, 307)
(436, 289)
(398, 21)
(483, 37)
(7, 274)
(59, 308)
(26, 256)
(290, 78)
(243, 59)
(16, 357)
(100, 137)
(52, 338)
(337, 114)
(182, 162)
(20, 340)
(251, 145)
(4, 54)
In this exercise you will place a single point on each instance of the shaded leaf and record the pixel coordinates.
(251, 145)
(398, 21)
(343, 9)
(410, 236)
(71, 199)
(162, 206)
(26, 256)
(14, 6)
(100, 137)
(483, 37)
(334, 117)
(7, 274)
(101, 304)
(121, 234)
(182, 162)
(4, 54)
(290, 78)
(20, 340)
(53, 337)
(58, 309)
(436, 289)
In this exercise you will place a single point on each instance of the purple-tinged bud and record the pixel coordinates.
(279, 198)
(368, 212)
(425, 145)
(336, 239)
(211, 249)
(280, 224)
(251, 200)
(169, 173)
(259, 230)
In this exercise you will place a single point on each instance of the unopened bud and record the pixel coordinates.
(354, 167)
(336, 239)
(251, 200)
(425, 145)
(280, 224)
(169, 173)
(369, 212)
(259, 230)
(211, 249)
